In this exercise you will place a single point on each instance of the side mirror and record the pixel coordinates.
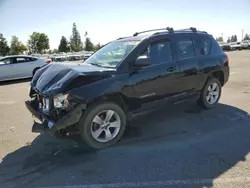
(142, 61)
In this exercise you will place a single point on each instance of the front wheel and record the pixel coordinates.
(102, 125)
(210, 94)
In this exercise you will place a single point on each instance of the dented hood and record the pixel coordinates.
(55, 77)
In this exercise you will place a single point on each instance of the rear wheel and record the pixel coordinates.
(102, 125)
(210, 94)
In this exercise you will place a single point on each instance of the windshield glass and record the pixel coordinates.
(112, 54)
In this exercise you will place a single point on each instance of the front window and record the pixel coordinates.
(112, 54)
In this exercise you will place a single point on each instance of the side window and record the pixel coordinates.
(159, 53)
(22, 60)
(203, 46)
(185, 48)
(5, 61)
(32, 59)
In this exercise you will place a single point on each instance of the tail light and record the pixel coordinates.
(227, 60)
(48, 61)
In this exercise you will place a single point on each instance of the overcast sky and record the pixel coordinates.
(106, 20)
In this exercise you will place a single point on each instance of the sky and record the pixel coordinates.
(106, 20)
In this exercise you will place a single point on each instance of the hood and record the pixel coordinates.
(56, 77)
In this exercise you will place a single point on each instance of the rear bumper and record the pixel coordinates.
(71, 118)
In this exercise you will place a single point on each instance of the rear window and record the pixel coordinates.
(185, 48)
(215, 47)
(203, 46)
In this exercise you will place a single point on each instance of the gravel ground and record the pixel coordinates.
(181, 146)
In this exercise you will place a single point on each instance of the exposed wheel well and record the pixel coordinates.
(34, 71)
(219, 75)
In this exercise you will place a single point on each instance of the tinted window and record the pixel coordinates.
(32, 59)
(22, 60)
(203, 46)
(185, 49)
(159, 53)
(6, 61)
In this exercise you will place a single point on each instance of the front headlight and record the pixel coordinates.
(61, 101)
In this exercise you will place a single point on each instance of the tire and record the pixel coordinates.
(86, 125)
(204, 101)
(34, 71)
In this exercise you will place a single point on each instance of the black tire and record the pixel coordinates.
(202, 100)
(86, 121)
(34, 71)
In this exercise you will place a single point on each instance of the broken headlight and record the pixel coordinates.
(61, 101)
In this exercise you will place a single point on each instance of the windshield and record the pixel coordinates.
(112, 54)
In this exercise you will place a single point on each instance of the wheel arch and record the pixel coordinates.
(218, 74)
(34, 71)
(116, 98)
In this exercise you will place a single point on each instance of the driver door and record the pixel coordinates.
(158, 80)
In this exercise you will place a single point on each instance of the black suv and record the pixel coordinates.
(125, 77)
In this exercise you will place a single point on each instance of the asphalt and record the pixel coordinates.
(180, 146)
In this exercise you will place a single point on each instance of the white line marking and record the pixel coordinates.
(233, 73)
(161, 183)
(8, 102)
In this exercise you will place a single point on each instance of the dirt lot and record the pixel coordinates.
(182, 146)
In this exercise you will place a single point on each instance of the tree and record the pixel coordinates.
(55, 51)
(4, 48)
(234, 38)
(75, 40)
(64, 45)
(247, 37)
(97, 47)
(38, 42)
(16, 46)
(219, 39)
(228, 40)
(89, 46)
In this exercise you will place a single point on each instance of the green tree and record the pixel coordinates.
(89, 46)
(234, 38)
(38, 42)
(219, 39)
(75, 40)
(55, 51)
(16, 46)
(228, 40)
(97, 47)
(4, 48)
(247, 37)
(64, 45)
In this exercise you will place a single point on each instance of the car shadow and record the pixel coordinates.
(202, 144)
(18, 81)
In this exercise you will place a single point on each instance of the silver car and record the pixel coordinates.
(14, 67)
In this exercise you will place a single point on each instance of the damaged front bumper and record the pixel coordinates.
(47, 126)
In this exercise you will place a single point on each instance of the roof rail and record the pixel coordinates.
(193, 29)
(169, 29)
(122, 38)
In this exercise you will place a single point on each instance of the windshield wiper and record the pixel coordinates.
(99, 65)
(96, 64)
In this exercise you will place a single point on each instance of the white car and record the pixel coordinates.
(14, 67)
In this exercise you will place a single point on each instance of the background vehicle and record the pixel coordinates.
(225, 46)
(14, 67)
(235, 46)
(87, 55)
(98, 97)
(245, 44)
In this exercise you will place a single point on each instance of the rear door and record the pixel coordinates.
(190, 67)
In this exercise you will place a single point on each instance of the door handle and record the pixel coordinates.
(171, 69)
